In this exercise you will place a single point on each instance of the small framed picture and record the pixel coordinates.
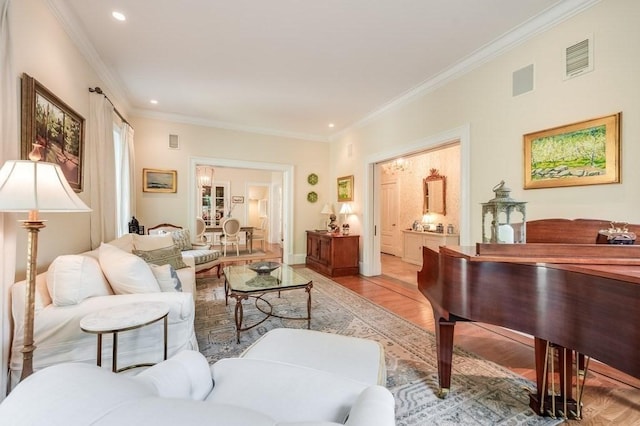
(155, 180)
(237, 199)
(345, 188)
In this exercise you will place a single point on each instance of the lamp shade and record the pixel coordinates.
(345, 209)
(27, 185)
(327, 209)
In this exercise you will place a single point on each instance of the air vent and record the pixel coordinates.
(522, 80)
(173, 142)
(578, 58)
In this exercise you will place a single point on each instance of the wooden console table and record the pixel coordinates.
(334, 255)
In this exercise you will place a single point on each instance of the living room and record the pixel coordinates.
(472, 103)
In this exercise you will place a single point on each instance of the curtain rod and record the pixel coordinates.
(100, 92)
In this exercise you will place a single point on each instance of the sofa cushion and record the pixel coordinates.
(167, 277)
(124, 243)
(152, 242)
(73, 278)
(182, 239)
(202, 256)
(126, 272)
(163, 256)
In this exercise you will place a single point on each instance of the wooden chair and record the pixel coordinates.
(231, 235)
(260, 234)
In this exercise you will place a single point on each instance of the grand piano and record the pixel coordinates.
(561, 287)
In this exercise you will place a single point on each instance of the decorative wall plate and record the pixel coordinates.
(312, 197)
(312, 179)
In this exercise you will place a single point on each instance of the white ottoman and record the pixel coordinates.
(358, 359)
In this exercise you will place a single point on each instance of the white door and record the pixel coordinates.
(389, 232)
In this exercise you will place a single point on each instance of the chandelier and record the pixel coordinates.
(204, 176)
(397, 166)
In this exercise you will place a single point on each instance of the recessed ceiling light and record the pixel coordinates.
(118, 15)
(332, 125)
(153, 101)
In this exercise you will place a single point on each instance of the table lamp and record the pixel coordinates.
(32, 186)
(328, 211)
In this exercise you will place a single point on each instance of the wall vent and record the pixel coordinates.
(173, 142)
(578, 58)
(522, 80)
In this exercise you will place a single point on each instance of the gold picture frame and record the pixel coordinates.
(53, 130)
(583, 153)
(345, 188)
(157, 180)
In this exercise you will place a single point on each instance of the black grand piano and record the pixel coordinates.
(561, 287)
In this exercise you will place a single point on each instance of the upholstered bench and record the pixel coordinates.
(359, 359)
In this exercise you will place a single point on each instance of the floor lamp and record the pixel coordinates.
(32, 186)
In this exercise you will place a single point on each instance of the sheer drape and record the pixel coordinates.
(9, 151)
(125, 177)
(102, 169)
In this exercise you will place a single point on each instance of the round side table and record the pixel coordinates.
(123, 318)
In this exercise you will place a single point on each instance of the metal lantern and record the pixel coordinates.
(503, 218)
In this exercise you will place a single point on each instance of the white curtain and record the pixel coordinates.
(126, 184)
(9, 151)
(100, 151)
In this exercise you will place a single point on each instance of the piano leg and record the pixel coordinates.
(444, 344)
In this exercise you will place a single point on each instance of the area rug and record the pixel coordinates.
(482, 392)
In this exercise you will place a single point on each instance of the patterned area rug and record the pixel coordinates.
(482, 393)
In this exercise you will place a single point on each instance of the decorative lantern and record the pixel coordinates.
(503, 218)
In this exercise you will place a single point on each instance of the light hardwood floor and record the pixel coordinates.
(610, 398)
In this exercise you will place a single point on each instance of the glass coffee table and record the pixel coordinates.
(243, 282)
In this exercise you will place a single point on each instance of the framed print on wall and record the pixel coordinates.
(584, 153)
(52, 131)
(345, 188)
(155, 180)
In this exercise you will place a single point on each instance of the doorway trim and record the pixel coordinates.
(371, 265)
(287, 193)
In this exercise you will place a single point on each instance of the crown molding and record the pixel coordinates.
(529, 29)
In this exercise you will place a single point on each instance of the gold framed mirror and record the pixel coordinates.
(435, 193)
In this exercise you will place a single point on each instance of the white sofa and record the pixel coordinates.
(75, 286)
(253, 390)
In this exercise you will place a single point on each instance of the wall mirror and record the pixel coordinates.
(435, 193)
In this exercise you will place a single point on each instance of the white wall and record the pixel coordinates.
(497, 121)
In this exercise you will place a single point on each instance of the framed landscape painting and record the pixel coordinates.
(345, 188)
(51, 131)
(155, 180)
(584, 153)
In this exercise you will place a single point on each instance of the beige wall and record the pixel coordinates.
(151, 151)
(497, 121)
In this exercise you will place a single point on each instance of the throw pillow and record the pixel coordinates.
(151, 242)
(168, 255)
(126, 272)
(73, 278)
(182, 239)
(167, 278)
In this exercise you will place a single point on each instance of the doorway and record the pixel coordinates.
(280, 192)
(371, 229)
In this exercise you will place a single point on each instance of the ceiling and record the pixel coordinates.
(291, 67)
